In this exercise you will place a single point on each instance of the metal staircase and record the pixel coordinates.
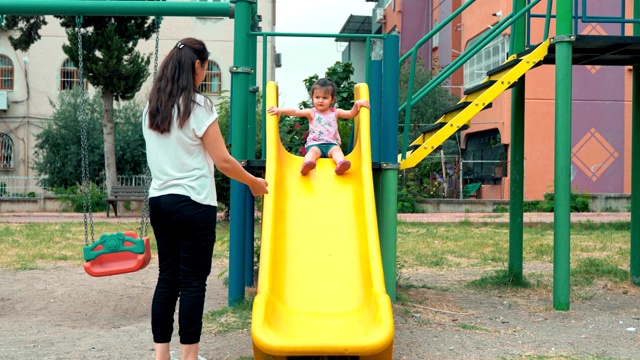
(477, 98)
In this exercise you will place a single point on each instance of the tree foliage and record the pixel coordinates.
(111, 62)
(58, 151)
(426, 179)
(429, 109)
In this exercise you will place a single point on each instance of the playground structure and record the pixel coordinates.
(563, 50)
(321, 287)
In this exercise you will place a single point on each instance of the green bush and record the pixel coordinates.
(72, 199)
(579, 202)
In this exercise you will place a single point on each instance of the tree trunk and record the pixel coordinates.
(111, 174)
(444, 174)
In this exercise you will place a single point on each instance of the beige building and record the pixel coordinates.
(28, 81)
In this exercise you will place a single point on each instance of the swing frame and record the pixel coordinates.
(123, 252)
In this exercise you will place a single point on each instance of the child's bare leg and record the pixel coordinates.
(337, 155)
(312, 155)
(310, 160)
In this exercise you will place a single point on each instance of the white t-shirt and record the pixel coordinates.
(178, 161)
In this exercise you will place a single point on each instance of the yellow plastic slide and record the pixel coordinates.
(321, 286)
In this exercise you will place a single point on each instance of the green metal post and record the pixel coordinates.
(240, 76)
(388, 222)
(635, 163)
(562, 165)
(115, 8)
(516, 175)
(265, 52)
(250, 151)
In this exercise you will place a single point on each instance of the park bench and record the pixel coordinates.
(124, 193)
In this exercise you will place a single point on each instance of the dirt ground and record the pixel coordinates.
(62, 313)
(59, 312)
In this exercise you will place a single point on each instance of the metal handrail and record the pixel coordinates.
(412, 71)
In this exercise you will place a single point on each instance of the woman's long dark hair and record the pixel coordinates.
(174, 86)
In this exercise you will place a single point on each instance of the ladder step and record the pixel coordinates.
(432, 127)
(482, 86)
(458, 106)
(438, 126)
(526, 52)
(462, 105)
(503, 67)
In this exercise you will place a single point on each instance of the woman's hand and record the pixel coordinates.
(259, 187)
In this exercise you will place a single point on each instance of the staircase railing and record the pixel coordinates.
(581, 14)
(447, 71)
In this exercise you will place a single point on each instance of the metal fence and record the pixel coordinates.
(19, 187)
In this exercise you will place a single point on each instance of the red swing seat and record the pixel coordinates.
(117, 254)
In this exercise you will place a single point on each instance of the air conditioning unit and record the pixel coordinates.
(4, 100)
(378, 15)
(278, 60)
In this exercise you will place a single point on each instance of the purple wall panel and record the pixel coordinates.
(598, 129)
(598, 113)
(416, 23)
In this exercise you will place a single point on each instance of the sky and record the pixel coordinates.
(303, 57)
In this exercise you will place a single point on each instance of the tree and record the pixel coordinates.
(427, 178)
(111, 62)
(429, 109)
(58, 152)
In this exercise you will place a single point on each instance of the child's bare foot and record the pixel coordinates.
(307, 166)
(343, 166)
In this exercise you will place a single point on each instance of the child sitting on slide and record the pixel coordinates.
(324, 139)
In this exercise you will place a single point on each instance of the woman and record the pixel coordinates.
(183, 142)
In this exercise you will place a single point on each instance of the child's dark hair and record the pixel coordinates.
(327, 84)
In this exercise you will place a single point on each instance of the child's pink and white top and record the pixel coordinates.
(323, 128)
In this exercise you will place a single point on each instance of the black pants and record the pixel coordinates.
(185, 232)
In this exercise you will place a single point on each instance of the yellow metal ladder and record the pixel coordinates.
(477, 98)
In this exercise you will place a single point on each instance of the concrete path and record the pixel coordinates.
(39, 217)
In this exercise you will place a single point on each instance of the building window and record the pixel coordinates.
(6, 152)
(212, 83)
(69, 76)
(490, 57)
(6, 73)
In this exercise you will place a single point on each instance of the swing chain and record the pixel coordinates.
(86, 185)
(144, 221)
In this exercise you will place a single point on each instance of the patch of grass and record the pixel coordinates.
(499, 279)
(424, 286)
(229, 318)
(600, 268)
(599, 250)
(468, 245)
(35, 245)
(471, 327)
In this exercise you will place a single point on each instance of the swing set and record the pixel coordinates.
(122, 252)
